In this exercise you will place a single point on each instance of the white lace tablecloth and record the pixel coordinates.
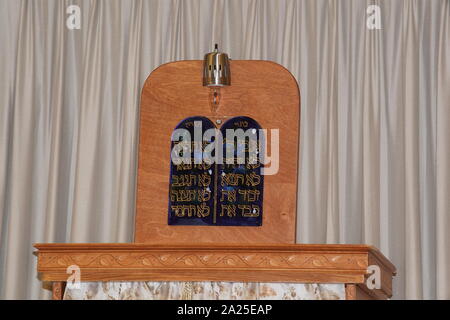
(203, 291)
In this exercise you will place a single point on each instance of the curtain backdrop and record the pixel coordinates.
(375, 121)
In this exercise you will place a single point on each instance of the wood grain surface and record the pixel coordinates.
(219, 262)
(262, 90)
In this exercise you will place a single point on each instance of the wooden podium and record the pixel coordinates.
(294, 263)
(268, 93)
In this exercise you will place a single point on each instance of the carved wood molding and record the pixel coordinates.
(269, 263)
(58, 290)
(204, 260)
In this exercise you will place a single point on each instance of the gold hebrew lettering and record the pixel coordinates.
(249, 211)
(229, 210)
(250, 195)
(232, 179)
(203, 210)
(230, 195)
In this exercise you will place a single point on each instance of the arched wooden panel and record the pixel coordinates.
(261, 90)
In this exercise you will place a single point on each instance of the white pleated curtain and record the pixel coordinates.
(375, 121)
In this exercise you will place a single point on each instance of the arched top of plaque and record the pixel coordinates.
(262, 91)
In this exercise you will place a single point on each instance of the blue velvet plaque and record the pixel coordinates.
(191, 189)
(240, 189)
(226, 192)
